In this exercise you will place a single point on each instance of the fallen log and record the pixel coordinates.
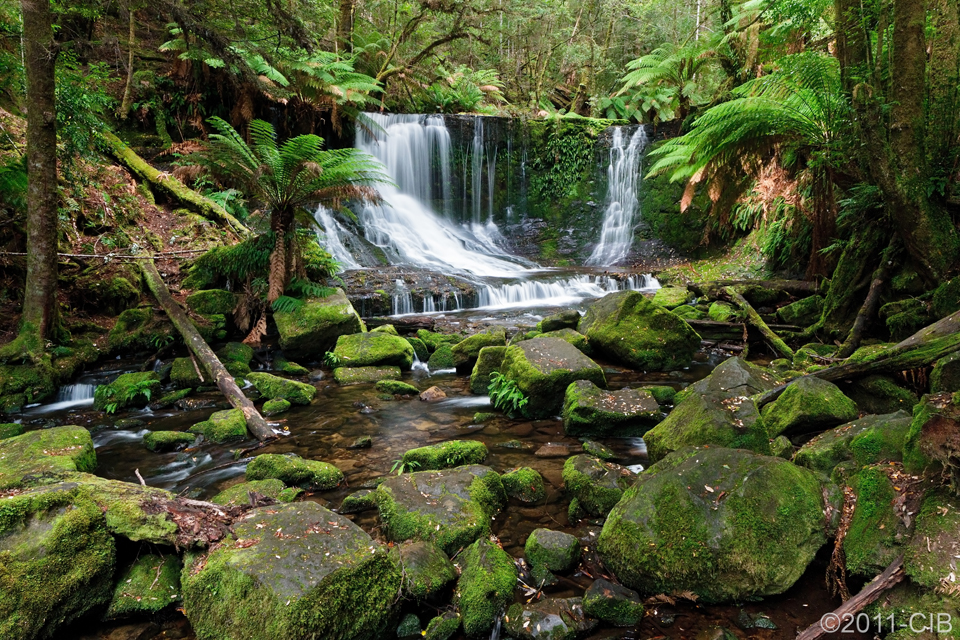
(720, 331)
(225, 382)
(833, 622)
(754, 318)
(870, 304)
(799, 288)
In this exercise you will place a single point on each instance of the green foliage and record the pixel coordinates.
(401, 467)
(129, 393)
(82, 102)
(332, 360)
(506, 395)
(464, 90)
(667, 82)
(13, 186)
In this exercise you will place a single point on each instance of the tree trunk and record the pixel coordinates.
(870, 304)
(128, 87)
(754, 318)
(40, 310)
(345, 25)
(255, 422)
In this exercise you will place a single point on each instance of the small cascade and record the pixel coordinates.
(70, 396)
(623, 176)
(402, 300)
(560, 292)
(429, 306)
(331, 240)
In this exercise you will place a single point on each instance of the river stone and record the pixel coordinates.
(56, 560)
(444, 455)
(168, 440)
(374, 349)
(613, 603)
(543, 368)
(486, 585)
(395, 387)
(628, 328)
(566, 319)
(489, 360)
(808, 405)
(426, 569)
(441, 359)
(30, 458)
(128, 390)
(803, 312)
(717, 410)
(599, 450)
(552, 550)
(451, 508)
(293, 470)
(240, 493)
(867, 440)
(275, 407)
(595, 485)
(272, 387)
(466, 352)
(347, 376)
(590, 411)
(292, 572)
(433, 394)
(548, 619)
(672, 297)
(223, 426)
(283, 365)
(524, 484)
(726, 524)
(689, 312)
(149, 585)
(946, 374)
(308, 332)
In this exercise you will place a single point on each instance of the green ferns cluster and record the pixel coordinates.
(505, 394)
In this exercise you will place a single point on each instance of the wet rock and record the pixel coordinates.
(33, 456)
(486, 585)
(578, 340)
(548, 619)
(435, 340)
(128, 390)
(672, 297)
(445, 455)
(427, 570)
(467, 351)
(441, 359)
(293, 470)
(168, 440)
(290, 368)
(451, 508)
(628, 328)
(419, 348)
(184, 375)
(409, 627)
(195, 404)
(515, 444)
(748, 621)
(275, 407)
(395, 387)
(346, 376)
(596, 485)
(374, 350)
(543, 368)
(309, 331)
(553, 450)
(946, 374)
(433, 394)
(599, 450)
(272, 387)
(590, 411)
(880, 394)
(149, 585)
(128, 423)
(489, 360)
(566, 319)
(223, 426)
(236, 358)
(867, 440)
(362, 442)
(296, 570)
(716, 633)
(524, 484)
(808, 405)
(359, 501)
(726, 524)
(240, 493)
(803, 312)
(552, 550)
(717, 410)
(613, 603)
(480, 417)
(443, 626)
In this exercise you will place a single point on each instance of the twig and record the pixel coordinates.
(140, 477)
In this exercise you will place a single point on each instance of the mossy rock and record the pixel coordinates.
(441, 359)
(552, 550)
(10, 429)
(880, 394)
(908, 601)
(543, 368)
(524, 484)
(29, 458)
(867, 440)
(946, 299)
(235, 352)
(272, 387)
(717, 410)
(212, 301)
(148, 586)
(945, 376)
(311, 330)
(672, 297)
(548, 619)
(433, 340)
(170, 399)
(446, 455)
(276, 407)
(442, 627)
(569, 335)
(419, 348)
(689, 312)
(293, 470)
(590, 411)
(23, 384)
(140, 329)
(129, 510)
(935, 420)
(56, 560)
(596, 485)
(409, 627)
(932, 552)
(363, 500)
(876, 534)
(566, 319)
(334, 583)
(812, 355)
(128, 390)
(671, 532)
(723, 312)
(466, 352)
(613, 603)
(808, 405)
(347, 376)
(662, 394)
(427, 570)
(184, 375)
(168, 440)
(489, 361)
(803, 312)
(240, 493)
(395, 387)
(451, 508)
(106, 293)
(373, 349)
(599, 450)
(283, 365)
(486, 585)
(386, 328)
(223, 426)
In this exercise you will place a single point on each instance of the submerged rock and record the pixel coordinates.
(486, 585)
(548, 619)
(613, 603)
(808, 405)
(596, 486)
(867, 440)
(149, 585)
(223, 426)
(590, 411)
(433, 394)
(346, 376)
(444, 455)
(293, 571)
(427, 570)
(466, 352)
(373, 349)
(726, 524)
(489, 360)
(35, 456)
(272, 387)
(293, 470)
(309, 331)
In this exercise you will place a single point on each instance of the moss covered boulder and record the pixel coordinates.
(276, 407)
(880, 394)
(543, 368)
(548, 619)
(868, 440)
(34, 456)
(689, 312)
(588, 410)
(10, 429)
(168, 440)
(451, 508)
(140, 329)
(132, 511)
(311, 330)
(931, 439)
(128, 390)
(945, 376)
(613, 603)
(419, 349)
(806, 406)
(223, 426)
(240, 493)
(466, 352)
(566, 319)
(595, 486)
(486, 585)
(322, 578)
(56, 560)
(236, 358)
(147, 586)
(184, 375)
(295, 471)
(347, 376)
(433, 340)
(552, 550)
(876, 534)
(628, 328)
(445, 455)
(373, 349)
(427, 570)
(283, 365)
(524, 484)
(717, 410)
(489, 361)
(573, 337)
(726, 524)
(931, 556)
(672, 297)
(803, 312)
(441, 358)
(23, 384)
(723, 312)
(272, 387)
(212, 301)
(395, 387)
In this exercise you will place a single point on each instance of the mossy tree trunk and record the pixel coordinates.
(345, 25)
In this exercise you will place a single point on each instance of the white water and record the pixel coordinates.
(560, 292)
(331, 238)
(623, 176)
(70, 396)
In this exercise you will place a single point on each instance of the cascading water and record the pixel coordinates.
(623, 175)
(560, 292)
(331, 239)
(69, 396)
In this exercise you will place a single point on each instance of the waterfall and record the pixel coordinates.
(560, 292)
(402, 300)
(623, 175)
(69, 396)
(331, 240)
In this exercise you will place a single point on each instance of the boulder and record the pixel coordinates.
(628, 328)
(10, 429)
(880, 394)
(543, 368)
(295, 471)
(806, 406)
(373, 349)
(489, 360)
(128, 390)
(723, 312)
(308, 332)
(419, 349)
(32, 457)
(276, 407)
(433, 394)
(441, 358)
(168, 440)
(588, 410)
(223, 426)
(717, 410)
(466, 352)
(486, 585)
(689, 312)
(442, 627)
(434, 340)
(599, 450)
(664, 395)
(212, 301)
(726, 524)
(293, 571)
(595, 486)
(613, 603)
(272, 387)
(524, 484)
(803, 312)
(868, 440)
(395, 387)
(148, 586)
(359, 501)
(548, 619)
(445, 455)
(931, 555)
(672, 297)
(569, 335)
(347, 376)
(876, 534)
(946, 374)
(932, 439)
(451, 508)
(566, 319)
(140, 329)
(283, 365)
(240, 493)
(184, 375)
(386, 328)
(133, 511)
(427, 570)
(552, 550)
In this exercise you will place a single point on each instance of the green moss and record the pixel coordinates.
(128, 390)
(873, 540)
(569, 335)
(945, 376)
(596, 485)
(591, 411)
(723, 312)
(235, 352)
(292, 368)
(543, 368)
(419, 348)
(149, 585)
(908, 601)
(167, 440)
(275, 407)
(397, 387)
(441, 358)
(347, 376)
(34, 455)
(26, 384)
(374, 349)
(273, 387)
(311, 330)
(489, 360)
(446, 455)
(171, 399)
(240, 493)
(612, 603)
(223, 426)
(781, 447)
(660, 207)
(140, 329)
(386, 328)
(443, 626)
(466, 352)
(946, 299)
(880, 394)
(552, 550)
(869, 440)
(672, 297)
(803, 312)
(426, 569)
(662, 394)
(486, 585)
(482, 416)
(212, 301)
(184, 375)
(524, 484)
(810, 404)
(433, 340)
(295, 471)
(916, 457)
(566, 319)
(931, 553)
(363, 500)
(10, 429)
